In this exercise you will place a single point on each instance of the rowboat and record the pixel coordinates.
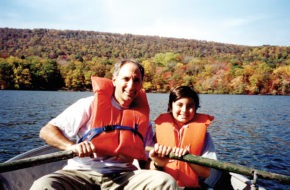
(22, 179)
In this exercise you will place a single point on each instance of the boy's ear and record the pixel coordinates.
(169, 109)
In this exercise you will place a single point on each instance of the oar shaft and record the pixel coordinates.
(236, 168)
(36, 160)
(63, 155)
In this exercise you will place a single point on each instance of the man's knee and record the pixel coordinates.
(46, 182)
(40, 183)
(164, 180)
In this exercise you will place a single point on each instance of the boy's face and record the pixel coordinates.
(183, 110)
(127, 84)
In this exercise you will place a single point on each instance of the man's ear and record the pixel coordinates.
(114, 80)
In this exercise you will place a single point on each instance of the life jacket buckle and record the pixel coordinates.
(108, 128)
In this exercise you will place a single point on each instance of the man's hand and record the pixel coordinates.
(83, 149)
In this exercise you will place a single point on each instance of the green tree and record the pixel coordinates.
(6, 75)
(281, 80)
(260, 80)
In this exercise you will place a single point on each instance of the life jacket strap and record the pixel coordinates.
(94, 132)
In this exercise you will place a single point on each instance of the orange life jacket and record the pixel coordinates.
(117, 132)
(192, 135)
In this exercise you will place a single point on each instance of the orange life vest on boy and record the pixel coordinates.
(192, 134)
(117, 132)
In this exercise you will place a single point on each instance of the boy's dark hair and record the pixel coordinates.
(183, 92)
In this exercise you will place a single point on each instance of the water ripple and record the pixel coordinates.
(248, 130)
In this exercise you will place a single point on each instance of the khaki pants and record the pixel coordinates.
(90, 180)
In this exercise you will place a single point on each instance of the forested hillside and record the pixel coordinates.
(56, 59)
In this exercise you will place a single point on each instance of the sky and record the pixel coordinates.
(241, 22)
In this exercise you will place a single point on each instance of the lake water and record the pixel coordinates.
(249, 130)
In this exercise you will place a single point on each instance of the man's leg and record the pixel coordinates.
(65, 179)
(140, 179)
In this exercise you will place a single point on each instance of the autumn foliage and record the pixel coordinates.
(43, 59)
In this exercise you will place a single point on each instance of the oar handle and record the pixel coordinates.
(36, 160)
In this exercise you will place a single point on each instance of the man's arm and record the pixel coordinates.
(53, 136)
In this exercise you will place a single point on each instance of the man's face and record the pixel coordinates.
(127, 84)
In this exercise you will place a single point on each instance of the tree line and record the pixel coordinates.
(43, 59)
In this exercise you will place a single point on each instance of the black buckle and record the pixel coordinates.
(135, 130)
(109, 128)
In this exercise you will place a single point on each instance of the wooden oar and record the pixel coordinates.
(35, 160)
(236, 168)
(63, 155)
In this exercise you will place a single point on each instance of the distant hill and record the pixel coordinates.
(65, 59)
(53, 43)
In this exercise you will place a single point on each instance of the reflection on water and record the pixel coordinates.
(248, 130)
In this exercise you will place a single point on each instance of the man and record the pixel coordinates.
(111, 129)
